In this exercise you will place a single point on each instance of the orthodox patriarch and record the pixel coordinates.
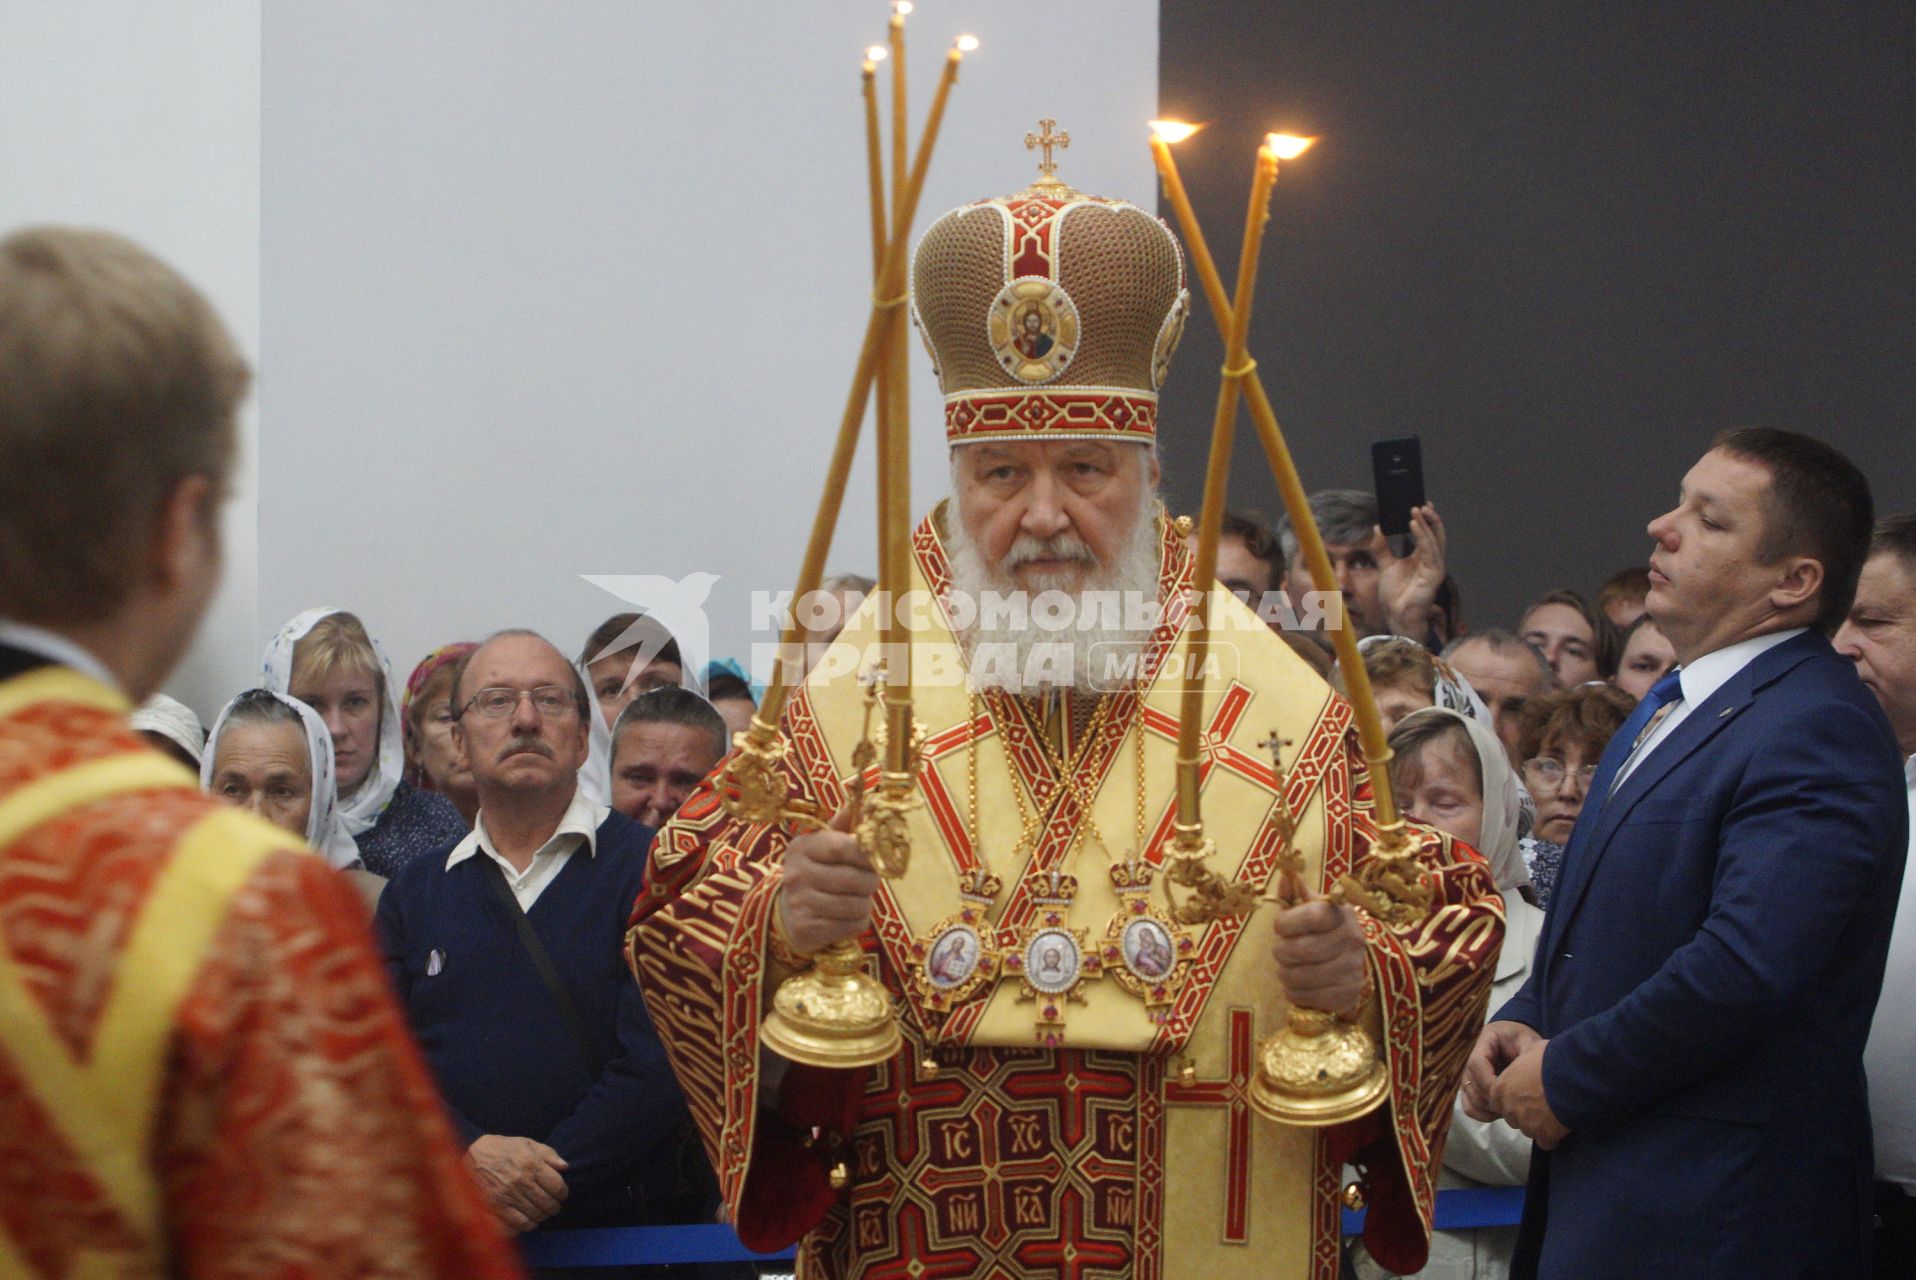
(1074, 1092)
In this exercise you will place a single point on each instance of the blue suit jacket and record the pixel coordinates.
(1706, 978)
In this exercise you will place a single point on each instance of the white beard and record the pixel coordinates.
(1031, 640)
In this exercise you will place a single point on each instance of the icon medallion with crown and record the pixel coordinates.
(1049, 957)
(958, 956)
(1145, 950)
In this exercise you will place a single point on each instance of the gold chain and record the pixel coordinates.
(1027, 824)
(1068, 770)
(1139, 735)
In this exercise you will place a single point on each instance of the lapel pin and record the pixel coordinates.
(1725, 712)
(435, 962)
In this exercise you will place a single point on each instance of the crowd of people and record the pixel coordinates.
(1495, 734)
(491, 819)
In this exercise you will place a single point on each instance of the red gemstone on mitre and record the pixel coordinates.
(1137, 907)
(1051, 1042)
(1051, 1013)
(1110, 953)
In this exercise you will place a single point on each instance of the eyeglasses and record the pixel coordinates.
(549, 700)
(1547, 774)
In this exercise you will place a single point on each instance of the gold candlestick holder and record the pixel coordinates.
(836, 1014)
(1320, 1068)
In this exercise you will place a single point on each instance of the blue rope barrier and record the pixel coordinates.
(1462, 1208)
(638, 1246)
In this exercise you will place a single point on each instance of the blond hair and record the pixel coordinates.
(337, 641)
(117, 381)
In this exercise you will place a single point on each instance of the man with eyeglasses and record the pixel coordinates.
(505, 949)
(1687, 1053)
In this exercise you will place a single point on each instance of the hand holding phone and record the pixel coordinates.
(1397, 473)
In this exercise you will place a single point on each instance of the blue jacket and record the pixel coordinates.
(1706, 978)
(502, 1051)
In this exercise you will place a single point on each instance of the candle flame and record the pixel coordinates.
(901, 7)
(1173, 131)
(877, 53)
(967, 44)
(1287, 146)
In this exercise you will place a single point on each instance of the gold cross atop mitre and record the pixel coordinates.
(1045, 138)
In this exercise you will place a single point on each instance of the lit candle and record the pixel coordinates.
(1370, 724)
(761, 740)
(1217, 476)
(895, 442)
(874, 158)
(875, 166)
(896, 35)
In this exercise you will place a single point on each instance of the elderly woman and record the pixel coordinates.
(325, 659)
(433, 762)
(1560, 739)
(1452, 773)
(272, 754)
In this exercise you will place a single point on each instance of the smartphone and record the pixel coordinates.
(1397, 471)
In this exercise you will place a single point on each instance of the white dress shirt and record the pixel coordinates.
(56, 648)
(1699, 679)
(578, 828)
(1892, 1036)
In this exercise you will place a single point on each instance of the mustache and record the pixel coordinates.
(533, 745)
(1059, 546)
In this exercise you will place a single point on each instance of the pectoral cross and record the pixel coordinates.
(1047, 139)
(1289, 861)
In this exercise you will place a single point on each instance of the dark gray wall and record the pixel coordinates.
(1564, 244)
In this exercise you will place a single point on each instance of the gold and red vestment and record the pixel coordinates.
(202, 1070)
(1103, 1131)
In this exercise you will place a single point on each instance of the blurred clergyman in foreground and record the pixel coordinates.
(202, 1071)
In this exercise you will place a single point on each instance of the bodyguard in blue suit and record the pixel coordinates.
(1687, 1054)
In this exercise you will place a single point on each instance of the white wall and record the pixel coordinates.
(540, 289)
(143, 116)
(575, 287)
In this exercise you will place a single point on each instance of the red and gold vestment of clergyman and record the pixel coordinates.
(202, 1071)
(1091, 1134)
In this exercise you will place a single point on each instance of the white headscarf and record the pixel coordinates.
(362, 809)
(595, 775)
(172, 720)
(1451, 690)
(1509, 813)
(324, 829)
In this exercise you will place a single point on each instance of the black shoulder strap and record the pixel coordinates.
(542, 962)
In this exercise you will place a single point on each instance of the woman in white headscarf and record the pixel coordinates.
(171, 726)
(1407, 677)
(325, 659)
(271, 754)
(1450, 771)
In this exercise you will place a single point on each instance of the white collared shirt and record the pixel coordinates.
(1698, 679)
(1892, 1036)
(578, 827)
(56, 648)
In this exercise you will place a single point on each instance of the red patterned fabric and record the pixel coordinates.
(296, 1132)
(1014, 1162)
